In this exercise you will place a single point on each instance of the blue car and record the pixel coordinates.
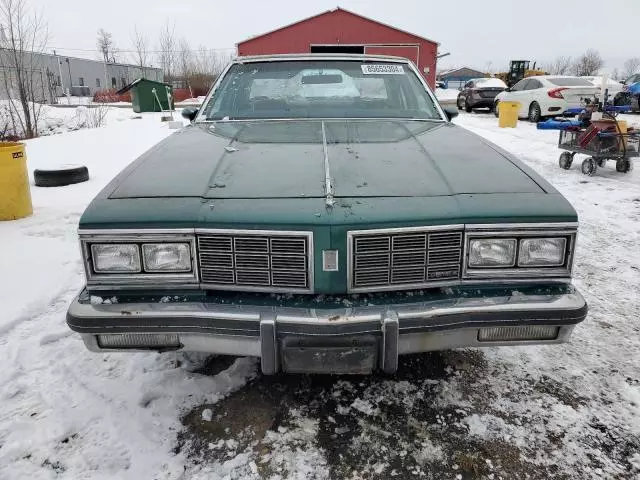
(631, 93)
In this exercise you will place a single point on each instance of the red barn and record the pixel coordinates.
(341, 31)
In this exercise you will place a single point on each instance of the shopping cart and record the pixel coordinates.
(602, 140)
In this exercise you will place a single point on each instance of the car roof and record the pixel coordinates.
(319, 56)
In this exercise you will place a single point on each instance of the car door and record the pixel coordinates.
(517, 94)
(533, 92)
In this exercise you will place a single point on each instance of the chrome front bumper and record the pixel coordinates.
(338, 340)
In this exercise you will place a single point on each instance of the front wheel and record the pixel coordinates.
(565, 160)
(535, 113)
(467, 107)
(623, 165)
(460, 103)
(496, 109)
(589, 167)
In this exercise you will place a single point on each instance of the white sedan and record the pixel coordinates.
(548, 95)
(613, 86)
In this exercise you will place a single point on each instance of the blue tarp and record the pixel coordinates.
(558, 125)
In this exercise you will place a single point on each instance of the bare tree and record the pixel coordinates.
(631, 66)
(588, 64)
(105, 45)
(559, 66)
(167, 49)
(25, 36)
(185, 62)
(140, 50)
(615, 74)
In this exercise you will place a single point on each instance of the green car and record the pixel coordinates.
(322, 212)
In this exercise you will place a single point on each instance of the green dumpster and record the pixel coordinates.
(149, 95)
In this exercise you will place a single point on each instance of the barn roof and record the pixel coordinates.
(329, 12)
(461, 72)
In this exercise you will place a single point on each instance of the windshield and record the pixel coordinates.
(570, 82)
(320, 89)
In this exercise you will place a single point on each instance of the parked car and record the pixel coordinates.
(548, 95)
(480, 93)
(613, 86)
(630, 94)
(325, 234)
(441, 84)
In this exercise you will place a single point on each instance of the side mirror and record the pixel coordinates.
(189, 113)
(450, 112)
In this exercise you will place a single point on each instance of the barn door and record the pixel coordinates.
(412, 52)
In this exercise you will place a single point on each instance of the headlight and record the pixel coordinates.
(492, 252)
(542, 252)
(115, 258)
(166, 257)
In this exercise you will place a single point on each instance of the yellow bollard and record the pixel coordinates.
(15, 195)
(508, 114)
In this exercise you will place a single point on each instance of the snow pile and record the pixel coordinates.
(447, 94)
(54, 120)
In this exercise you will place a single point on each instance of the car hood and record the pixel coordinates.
(292, 159)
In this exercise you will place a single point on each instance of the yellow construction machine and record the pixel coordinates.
(519, 69)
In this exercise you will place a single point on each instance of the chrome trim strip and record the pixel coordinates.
(432, 95)
(351, 234)
(328, 187)
(271, 233)
(429, 228)
(132, 231)
(507, 226)
(213, 90)
(338, 316)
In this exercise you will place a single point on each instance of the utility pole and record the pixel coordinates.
(59, 71)
(106, 86)
(70, 79)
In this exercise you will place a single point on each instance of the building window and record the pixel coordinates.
(81, 81)
(113, 82)
(59, 82)
(98, 82)
(124, 82)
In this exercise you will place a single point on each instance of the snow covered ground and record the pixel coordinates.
(447, 96)
(570, 411)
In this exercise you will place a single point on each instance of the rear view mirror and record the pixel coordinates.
(450, 112)
(189, 113)
(321, 79)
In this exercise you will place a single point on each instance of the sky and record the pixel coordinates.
(479, 34)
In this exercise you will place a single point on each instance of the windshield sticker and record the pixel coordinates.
(369, 69)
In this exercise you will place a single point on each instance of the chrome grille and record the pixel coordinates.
(404, 260)
(260, 261)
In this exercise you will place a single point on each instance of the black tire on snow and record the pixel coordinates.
(589, 167)
(467, 107)
(459, 105)
(61, 176)
(496, 109)
(535, 114)
(623, 165)
(565, 160)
